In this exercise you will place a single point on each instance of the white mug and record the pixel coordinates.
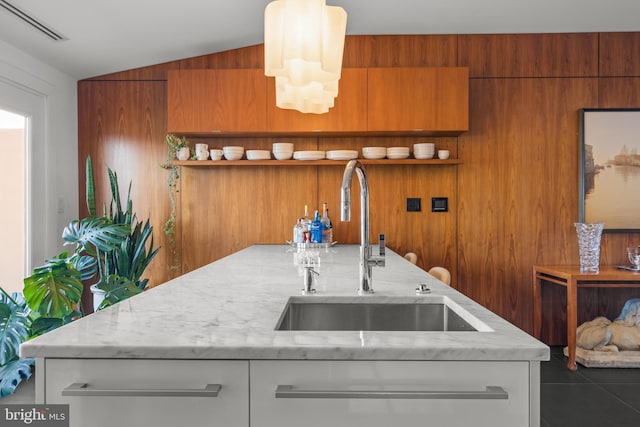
(216, 154)
(443, 154)
(202, 151)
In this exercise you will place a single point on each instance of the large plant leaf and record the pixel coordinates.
(117, 289)
(86, 265)
(14, 325)
(93, 234)
(13, 373)
(90, 188)
(53, 290)
(135, 254)
(45, 324)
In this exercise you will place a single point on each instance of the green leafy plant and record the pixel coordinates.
(122, 269)
(174, 143)
(113, 250)
(15, 324)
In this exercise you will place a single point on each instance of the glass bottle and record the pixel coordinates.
(298, 232)
(316, 229)
(306, 226)
(327, 227)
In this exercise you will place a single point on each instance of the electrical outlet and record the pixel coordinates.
(413, 204)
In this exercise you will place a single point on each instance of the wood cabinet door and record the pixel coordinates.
(203, 101)
(349, 113)
(428, 99)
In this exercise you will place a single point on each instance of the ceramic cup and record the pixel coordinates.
(215, 154)
(202, 151)
(443, 154)
(183, 153)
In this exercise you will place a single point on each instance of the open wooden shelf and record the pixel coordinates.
(381, 162)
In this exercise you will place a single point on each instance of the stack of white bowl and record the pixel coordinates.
(424, 150)
(374, 153)
(233, 152)
(282, 150)
(342, 154)
(258, 155)
(397, 152)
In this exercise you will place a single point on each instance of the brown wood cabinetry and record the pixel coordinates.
(205, 101)
(427, 99)
(348, 115)
(511, 206)
(431, 100)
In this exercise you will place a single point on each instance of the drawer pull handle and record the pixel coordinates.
(83, 389)
(289, 391)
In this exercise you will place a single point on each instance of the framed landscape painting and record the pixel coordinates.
(609, 164)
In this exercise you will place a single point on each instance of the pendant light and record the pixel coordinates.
(303, 47)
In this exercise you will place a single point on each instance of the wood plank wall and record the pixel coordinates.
(513, 201)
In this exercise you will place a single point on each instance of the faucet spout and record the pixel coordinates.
(366, 258)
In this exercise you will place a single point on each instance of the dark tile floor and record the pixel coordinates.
(588, 397)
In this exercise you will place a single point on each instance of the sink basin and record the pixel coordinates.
(371, 314)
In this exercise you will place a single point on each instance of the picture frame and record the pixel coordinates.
(609, 168)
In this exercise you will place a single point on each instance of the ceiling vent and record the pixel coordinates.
(33, 22)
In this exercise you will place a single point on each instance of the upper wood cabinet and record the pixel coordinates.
(229, 100)
(377, 100)
(428, 99)
(349, 113)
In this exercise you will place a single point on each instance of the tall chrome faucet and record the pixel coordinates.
(367, 260)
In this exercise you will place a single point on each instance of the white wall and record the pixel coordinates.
(55, 175)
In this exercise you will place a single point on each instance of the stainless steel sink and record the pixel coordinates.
(368, 314)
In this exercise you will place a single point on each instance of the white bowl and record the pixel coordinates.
(342, 154)
(215, 154)
(283, 155)
(397, 149)
(308, 155)
(424, 146)
(374, 153)
(374, 149)
(422, 156)
(258, 155)
(282, 146)
(233, 153)
(397, 152)
(233, 148)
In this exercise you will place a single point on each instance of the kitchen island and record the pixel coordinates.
(205, 346)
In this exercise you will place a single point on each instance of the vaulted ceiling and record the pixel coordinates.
(104, 36)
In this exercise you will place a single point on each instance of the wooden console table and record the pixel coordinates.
(571, 278)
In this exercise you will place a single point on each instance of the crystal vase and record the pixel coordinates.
(589, 243)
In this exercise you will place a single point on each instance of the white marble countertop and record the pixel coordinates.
(229, 309)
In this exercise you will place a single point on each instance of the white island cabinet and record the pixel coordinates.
(383, 394)
(204, 350)
(158, 393)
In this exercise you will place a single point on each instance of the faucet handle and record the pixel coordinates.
(378, 261)
(381, 243)
(308, 281)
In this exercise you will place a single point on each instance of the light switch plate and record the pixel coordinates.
(439, 204)
(414, 204)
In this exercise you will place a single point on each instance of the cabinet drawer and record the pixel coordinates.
(150, 392)
(384, 394)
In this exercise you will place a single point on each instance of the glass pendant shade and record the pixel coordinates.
(303, 48)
